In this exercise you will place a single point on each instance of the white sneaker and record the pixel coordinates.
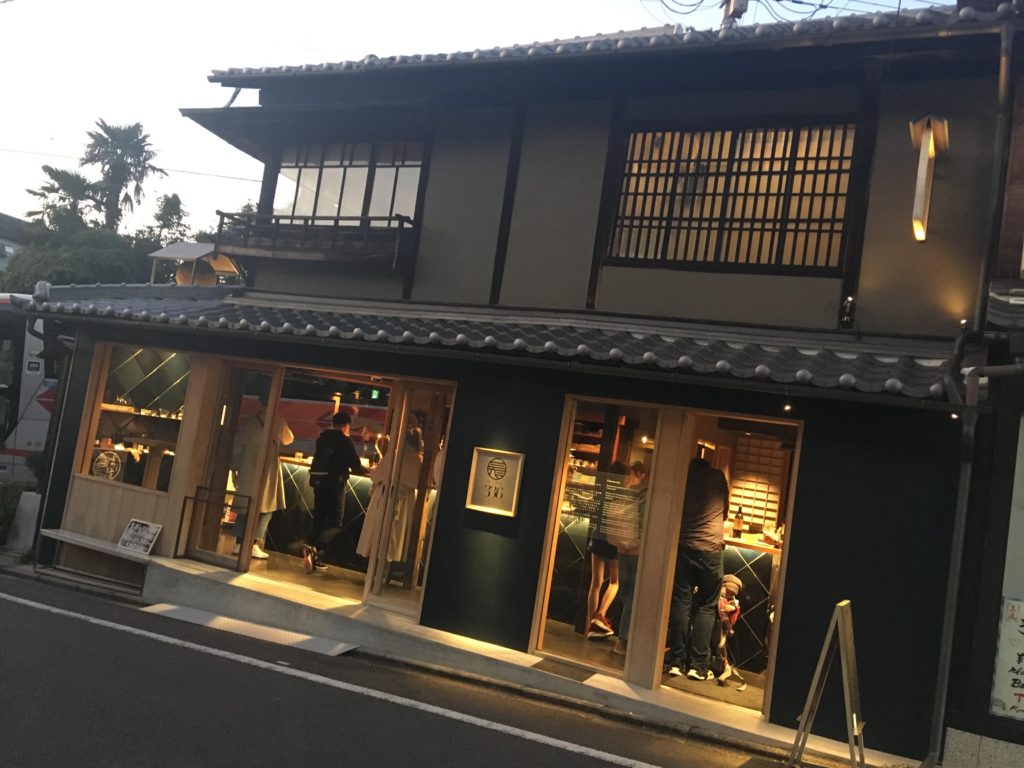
(258, 553)
(675, 672)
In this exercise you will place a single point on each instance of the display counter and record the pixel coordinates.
(753, 541)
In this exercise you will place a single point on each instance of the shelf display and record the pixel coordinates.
(139, 417)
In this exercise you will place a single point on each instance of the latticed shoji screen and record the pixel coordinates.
(758, 478)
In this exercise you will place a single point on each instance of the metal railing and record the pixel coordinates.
(338, 237)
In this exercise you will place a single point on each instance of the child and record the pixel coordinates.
(728, 613)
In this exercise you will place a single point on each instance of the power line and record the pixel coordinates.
(169, 170)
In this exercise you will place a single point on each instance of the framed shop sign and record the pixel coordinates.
(1008, 684)
(139, 536)
(494, 481)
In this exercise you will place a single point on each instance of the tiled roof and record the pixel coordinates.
(1006, 304)
(835, 30)
(913, 369)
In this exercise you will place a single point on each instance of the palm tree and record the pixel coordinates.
(125, 158)
(65, 198)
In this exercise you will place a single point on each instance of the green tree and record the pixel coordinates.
(67, 198)
(125, 159)
(81, 256)
(170, 219)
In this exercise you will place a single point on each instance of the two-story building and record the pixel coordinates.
(525, 271)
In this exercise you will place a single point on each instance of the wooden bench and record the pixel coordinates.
(108, 548)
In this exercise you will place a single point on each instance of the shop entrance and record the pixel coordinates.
(400, 518)
(226, 507)
(255, 510)
(616, 528)
(757, 458)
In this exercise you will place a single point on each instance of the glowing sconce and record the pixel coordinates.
(930, 135)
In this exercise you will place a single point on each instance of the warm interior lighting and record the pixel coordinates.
(929, 135)
(920, 233)
(787, 407)
(644, 439)
(336, 397)
(954, 416)
(223, 414)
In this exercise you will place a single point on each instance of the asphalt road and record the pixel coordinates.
(128, 688)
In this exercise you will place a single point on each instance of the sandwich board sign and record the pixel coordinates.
(1008, 682)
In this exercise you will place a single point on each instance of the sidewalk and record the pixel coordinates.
(251, 598)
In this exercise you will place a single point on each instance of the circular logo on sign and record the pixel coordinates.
(496, 469)
(107, 464)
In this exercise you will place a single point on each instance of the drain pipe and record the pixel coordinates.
(970, 420)
(1000, 160)
(971, 381)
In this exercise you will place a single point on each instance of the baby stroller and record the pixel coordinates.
(728, 613)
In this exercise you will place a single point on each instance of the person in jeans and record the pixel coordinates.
(698, 576)
(629, 553)
(334, 460)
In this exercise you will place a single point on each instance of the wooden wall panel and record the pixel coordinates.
(102, 509)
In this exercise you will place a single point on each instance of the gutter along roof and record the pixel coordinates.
(881, 26)
(805, 360)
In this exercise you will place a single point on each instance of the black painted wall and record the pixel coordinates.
(872, 517)
(871, 523)
(483, 572)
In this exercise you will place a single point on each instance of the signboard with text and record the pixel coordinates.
(494, 481)
(139, 536)
(1008, 685)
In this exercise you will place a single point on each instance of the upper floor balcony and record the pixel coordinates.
(379, 244)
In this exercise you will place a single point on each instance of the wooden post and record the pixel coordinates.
(840, 633)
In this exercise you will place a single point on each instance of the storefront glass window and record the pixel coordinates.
(600, 527)
(140, 414)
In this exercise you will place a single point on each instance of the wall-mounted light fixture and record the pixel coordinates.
(930, 135)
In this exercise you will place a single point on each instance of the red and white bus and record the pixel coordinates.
(28, 392)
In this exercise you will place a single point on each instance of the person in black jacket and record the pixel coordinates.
(334, 460)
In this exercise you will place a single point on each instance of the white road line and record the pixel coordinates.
(349, 687)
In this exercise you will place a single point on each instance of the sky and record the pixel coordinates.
(67, 63)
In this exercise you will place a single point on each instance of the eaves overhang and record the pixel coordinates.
(255, 130)
(897, 370)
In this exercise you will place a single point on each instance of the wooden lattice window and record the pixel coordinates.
(744, 199)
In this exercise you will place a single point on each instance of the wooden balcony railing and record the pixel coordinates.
(366, 242)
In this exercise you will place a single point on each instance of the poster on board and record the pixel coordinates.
(139, 536)
(1008, 685)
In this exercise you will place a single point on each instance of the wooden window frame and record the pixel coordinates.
(91, 416)
(858, 167)
(373, 163)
